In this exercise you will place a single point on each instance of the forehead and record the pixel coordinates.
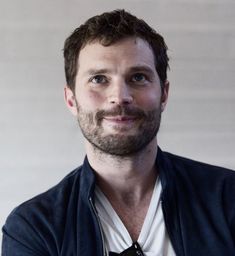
(124, 53)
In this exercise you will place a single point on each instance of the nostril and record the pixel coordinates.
(120, 101)
(128, 100)
(120, 94)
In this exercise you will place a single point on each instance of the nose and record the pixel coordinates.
(120, 94)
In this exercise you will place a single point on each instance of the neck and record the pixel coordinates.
(119, 176)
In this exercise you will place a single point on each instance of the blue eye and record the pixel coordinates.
(99, 79)
(138, 77)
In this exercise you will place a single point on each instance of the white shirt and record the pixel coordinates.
(153, 238)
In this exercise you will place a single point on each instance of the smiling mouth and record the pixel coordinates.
(120, 123)
(120, 119)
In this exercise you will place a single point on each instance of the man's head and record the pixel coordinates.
(117, 86)
(107, 29)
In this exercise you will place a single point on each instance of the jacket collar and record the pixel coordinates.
(88, 177)
(87, 181)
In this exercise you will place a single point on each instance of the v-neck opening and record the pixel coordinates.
(149, 217)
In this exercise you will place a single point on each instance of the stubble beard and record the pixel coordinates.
(119, 144)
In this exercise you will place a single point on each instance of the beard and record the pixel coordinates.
(120, 144)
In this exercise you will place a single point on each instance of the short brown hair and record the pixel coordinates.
(108, 28)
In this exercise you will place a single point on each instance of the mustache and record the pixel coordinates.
(121, 111)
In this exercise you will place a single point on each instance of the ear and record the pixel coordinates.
(165, 93)
(70, 100)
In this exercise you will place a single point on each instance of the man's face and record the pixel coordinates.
(118, 98)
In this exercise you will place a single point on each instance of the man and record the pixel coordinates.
(128, 197)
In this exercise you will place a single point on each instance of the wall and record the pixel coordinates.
(40, 141)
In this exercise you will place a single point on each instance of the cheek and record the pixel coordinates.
(149, 100)
(91, 100)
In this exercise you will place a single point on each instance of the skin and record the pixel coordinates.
(107, 78)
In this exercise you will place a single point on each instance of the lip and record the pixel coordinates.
(120, 123)
(120, 119)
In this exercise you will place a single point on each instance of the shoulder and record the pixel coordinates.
(55, 196)
(214, 185)
(196, 168)
(39, 221)
(203, 194)
(208, 181)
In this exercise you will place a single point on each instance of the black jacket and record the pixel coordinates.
(198, 202)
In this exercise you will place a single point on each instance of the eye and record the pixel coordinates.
(139, 78)
(99, 79)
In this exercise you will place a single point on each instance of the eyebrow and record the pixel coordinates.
(138, 68)
(142, 68)
(98, 71)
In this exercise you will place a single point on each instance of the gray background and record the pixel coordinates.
(40, 141)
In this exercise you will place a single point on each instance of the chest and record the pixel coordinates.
(132, 218)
